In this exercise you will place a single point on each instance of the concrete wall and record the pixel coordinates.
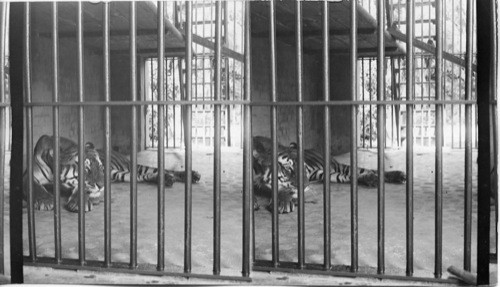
(287, 91)
(312, 91)
(42, 89)
(340, 116)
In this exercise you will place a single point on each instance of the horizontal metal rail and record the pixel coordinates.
(142, 269)
(317, 269)
(255, 103)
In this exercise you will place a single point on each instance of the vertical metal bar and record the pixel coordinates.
(161, 134)
(370, 60)
(363, 98)
(300, 136)
(468, 141)
(485, 64)
(107, 137)
(15, 33)
(81, 146)
(439, 145)
(354, 133)
(133, 142)
(29, 130)
(274, 134)
(55, 126)
(327, 127)
(2, 131)
(381, 135)
(188, 202)
(247, 149)
(183, 97)
(410, 83)
(217, 136)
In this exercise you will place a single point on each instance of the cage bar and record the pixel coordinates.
(217, 137)
(381, 137)
(55, 126)
(300, 137)
(133, 142)
(410, 94)
(354, 133)
(485, 63)
(439, 145)
(274, 133)
(247, 148)
(468, 142)
(81, 146)
(29, 131)
(3, 131)
(326, 182)
(107, 136)
(161, 141)
(188, 201)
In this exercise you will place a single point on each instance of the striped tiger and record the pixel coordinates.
(43, 177)
(313, 172)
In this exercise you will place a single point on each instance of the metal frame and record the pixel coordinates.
(162, 103)
(484, 85)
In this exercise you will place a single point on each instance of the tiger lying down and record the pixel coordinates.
(43, 177)
(313, 171)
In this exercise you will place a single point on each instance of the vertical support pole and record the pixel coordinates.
(354, 133)
(55, 126)
(107, 137)
(468, 141)
(81, 145)
(247, 148)
(326, 164)
(438, 233)
(300, 136)
(29, 130)
(410, 60)
(274, 133)
(381, 136)
(217, 136)
(3, 122)
(161, 134)
(485, 64)
(16, 91)
(133, 143)
(188, 201)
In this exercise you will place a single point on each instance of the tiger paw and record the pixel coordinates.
(73, 204)
(169, 180)
(370, 179)
(286, 201)
(43, 204)
(196, 176)
(395, 176)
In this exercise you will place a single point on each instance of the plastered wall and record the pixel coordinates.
(287, 91)
(42, 89)
(312, 91)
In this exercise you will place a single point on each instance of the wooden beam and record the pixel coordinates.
(428, 48)
(211, 45)
(315, 33)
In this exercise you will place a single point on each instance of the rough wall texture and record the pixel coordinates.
(42, 89)
(340, 116)
(287, 91)
(312, 91)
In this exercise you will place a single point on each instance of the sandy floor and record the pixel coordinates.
(232, 217)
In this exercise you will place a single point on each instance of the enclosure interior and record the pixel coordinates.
(232, 155)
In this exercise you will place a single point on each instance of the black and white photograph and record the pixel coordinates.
(233, 142)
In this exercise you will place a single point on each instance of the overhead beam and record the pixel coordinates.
(316, 33)
(396, 33)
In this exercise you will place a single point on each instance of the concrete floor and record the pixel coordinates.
(231, 238)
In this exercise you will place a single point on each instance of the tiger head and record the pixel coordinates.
(288, 173)
(94, 173)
